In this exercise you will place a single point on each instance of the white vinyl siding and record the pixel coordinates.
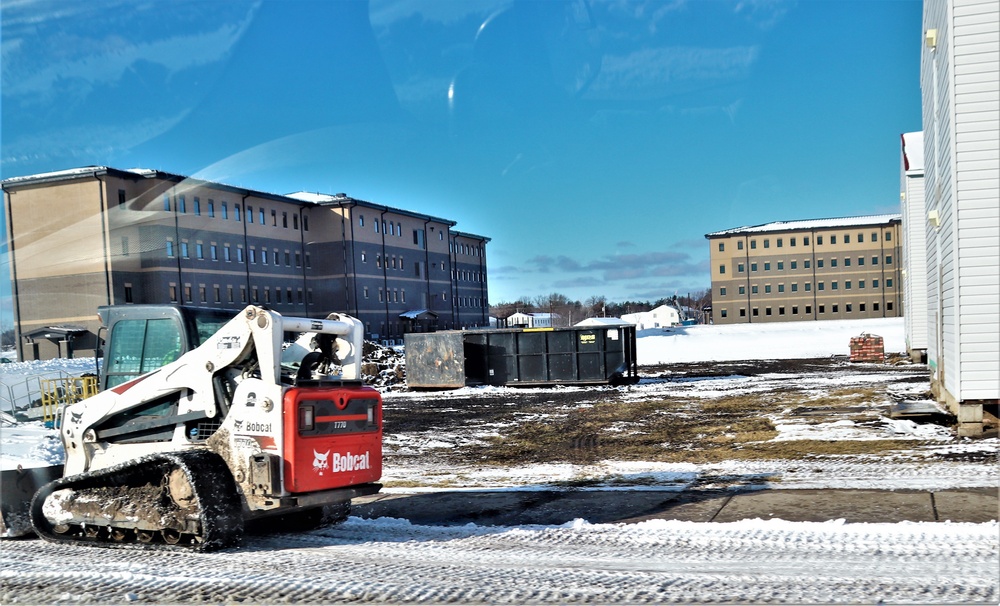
(960, 80)
(914, 244)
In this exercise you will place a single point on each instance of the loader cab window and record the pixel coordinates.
(141, 346)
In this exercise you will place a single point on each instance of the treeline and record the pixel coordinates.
(570, 312)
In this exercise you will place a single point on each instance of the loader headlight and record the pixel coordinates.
(307, 418)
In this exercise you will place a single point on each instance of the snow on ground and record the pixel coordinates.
(765, 341)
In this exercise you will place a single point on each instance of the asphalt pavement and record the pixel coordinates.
(551, 507)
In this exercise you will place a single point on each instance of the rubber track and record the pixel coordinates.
(221, 509)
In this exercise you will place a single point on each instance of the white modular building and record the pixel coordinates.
(914, 274)
(960, 86)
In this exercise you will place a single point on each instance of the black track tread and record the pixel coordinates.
(221, 515)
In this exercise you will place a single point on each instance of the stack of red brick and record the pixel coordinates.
(867, 348)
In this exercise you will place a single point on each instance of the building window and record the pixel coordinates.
(819, 263)
(128, 293)
(722, 291)
(875, 306)
(305, 226)
(819, 240)
(173, 292)
(380, 296)
(861, 283)
(739, 245)
(260, 215)
(833, 286)
(275, 257)
(267, 294)
(791, 241)
(755, 312)
(888, 282)
(243, 294)
(888, 236)
(767, 288)
(288, 259)
(820, 286)
(767, 243)
(743, 290)
(298, 259)
(199, 250)
(722, 246)
(236, 217)
(767, 266)
(795, 287)
(722, 269)
(753, 244)
(365, 290)
(874, 283)
(740, 268)
(753, 267)
(836, 308)
(249, 214)
(225, 214)
(847, 285)
(805, 241)
(743, 312)
(277, 295)
(888, 259)
(753, 290)
(361, 220)
(187, 293)
(861, 307)
(723, 313)
(274, 218)
(847, 238)
(888, 305)
(861, 238)
(795, 310)
(181, 205)
(263, 256)
(780, 242)
(308, 261)
(166, 202)
(202, 295)
(806, 264)
(184, 250)
(874, 260)
(781, 311)
(794, 265)
(211, 209)
(197, 206)
(124, 246)
(781, 265)
(239, 258)
(833, 238)
(847, 261)
(170, 248)
(253, 257)
(874, 236)
(255, 294)
(295, 225)
(808, 286)
(833, 262)
(861, 261)
(781, 288)
(284, 219)
(767, 311)
(822, 309)
(213, 252)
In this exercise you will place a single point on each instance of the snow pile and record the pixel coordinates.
(765, 341)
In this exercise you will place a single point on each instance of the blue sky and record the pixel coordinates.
(595, 143)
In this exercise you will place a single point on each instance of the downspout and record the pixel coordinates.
(246, 247)
(302, 246)
(484, 321)
(427, 268)
(812, 261)
(177, 250)
(13, 274)
(746, 261)
(104, 240)
(354, 269)
(453, 274)
(385, 269)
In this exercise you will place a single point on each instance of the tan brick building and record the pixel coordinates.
(825, 269)
(97, 236)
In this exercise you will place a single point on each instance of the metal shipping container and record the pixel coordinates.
(532, 356)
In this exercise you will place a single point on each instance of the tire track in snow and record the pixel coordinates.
(653, 562)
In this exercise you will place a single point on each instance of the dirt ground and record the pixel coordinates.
(585, 424)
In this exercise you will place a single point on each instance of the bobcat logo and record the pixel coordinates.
(238, 424)
(76, 417)
(321, 461)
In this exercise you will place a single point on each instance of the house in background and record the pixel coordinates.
(532, 320)
(609, 322)
(959, 81)
(659, 317)
(914, 273)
